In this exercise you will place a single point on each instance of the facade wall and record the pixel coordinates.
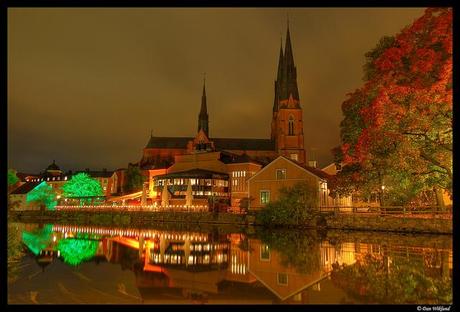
(284, 281)
(267, 180)
(239, 175)
(290, 141)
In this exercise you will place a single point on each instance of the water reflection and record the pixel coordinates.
(89, 264)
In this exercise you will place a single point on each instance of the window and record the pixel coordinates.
(294, 157)
(264, 197)
(291, 125)
(281, 174)
(264, 253)
(282, 279)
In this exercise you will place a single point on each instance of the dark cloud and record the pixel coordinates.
(86, 86)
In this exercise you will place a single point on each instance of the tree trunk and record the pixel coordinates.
(439, 199)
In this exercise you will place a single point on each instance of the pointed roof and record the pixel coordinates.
(289, 58)
(204, 108)
(286, 79)
(280, 62)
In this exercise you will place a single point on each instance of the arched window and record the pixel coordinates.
(291, 125)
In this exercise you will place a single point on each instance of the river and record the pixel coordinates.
(75, 264)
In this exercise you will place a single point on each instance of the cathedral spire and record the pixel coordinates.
(290, 71)
(280, 62)
(203, 118)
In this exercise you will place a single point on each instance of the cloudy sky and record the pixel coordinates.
(87, 86)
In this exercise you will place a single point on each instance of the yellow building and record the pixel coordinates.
(264, 186)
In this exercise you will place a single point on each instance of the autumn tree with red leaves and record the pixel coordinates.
(397, 128)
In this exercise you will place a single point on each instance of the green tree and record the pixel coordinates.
(134, 179)
(12, 180)
(296, 206)
(44, 195)
(374, 280)
(300, 249)
(12, 177)
(82, 185)
(74, 251)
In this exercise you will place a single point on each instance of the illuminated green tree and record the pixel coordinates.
(82, 185)
(38, 239)
(12, 177)
(74, 251)
(44, 195)
(12, 180)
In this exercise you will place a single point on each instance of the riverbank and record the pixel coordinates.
(166, 220)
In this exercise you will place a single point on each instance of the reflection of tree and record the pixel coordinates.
(74, 251)
(371, 280)
(38, 239)
(15, 252)
(299, 249)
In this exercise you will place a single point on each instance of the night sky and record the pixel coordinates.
(87, 86)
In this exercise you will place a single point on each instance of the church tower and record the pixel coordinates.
(287, 123)
(203, 118)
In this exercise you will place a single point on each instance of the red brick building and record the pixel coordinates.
(286, 139)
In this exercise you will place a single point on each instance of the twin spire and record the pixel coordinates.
(285, 83)
(286, 79)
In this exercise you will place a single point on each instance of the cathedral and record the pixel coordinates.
(286, 139)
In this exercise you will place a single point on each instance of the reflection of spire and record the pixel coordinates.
(165, 195)
(189, 194)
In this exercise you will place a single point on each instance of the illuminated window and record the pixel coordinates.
(282, 279)
(294, 157)
(281, 174)
(264, 197)
(264, 253)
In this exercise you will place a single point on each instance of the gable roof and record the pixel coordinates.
(244, 144)
(319, 174)
(219, 143)
(168, 142)
(25, 188)
(22, 176)
(232, 158)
